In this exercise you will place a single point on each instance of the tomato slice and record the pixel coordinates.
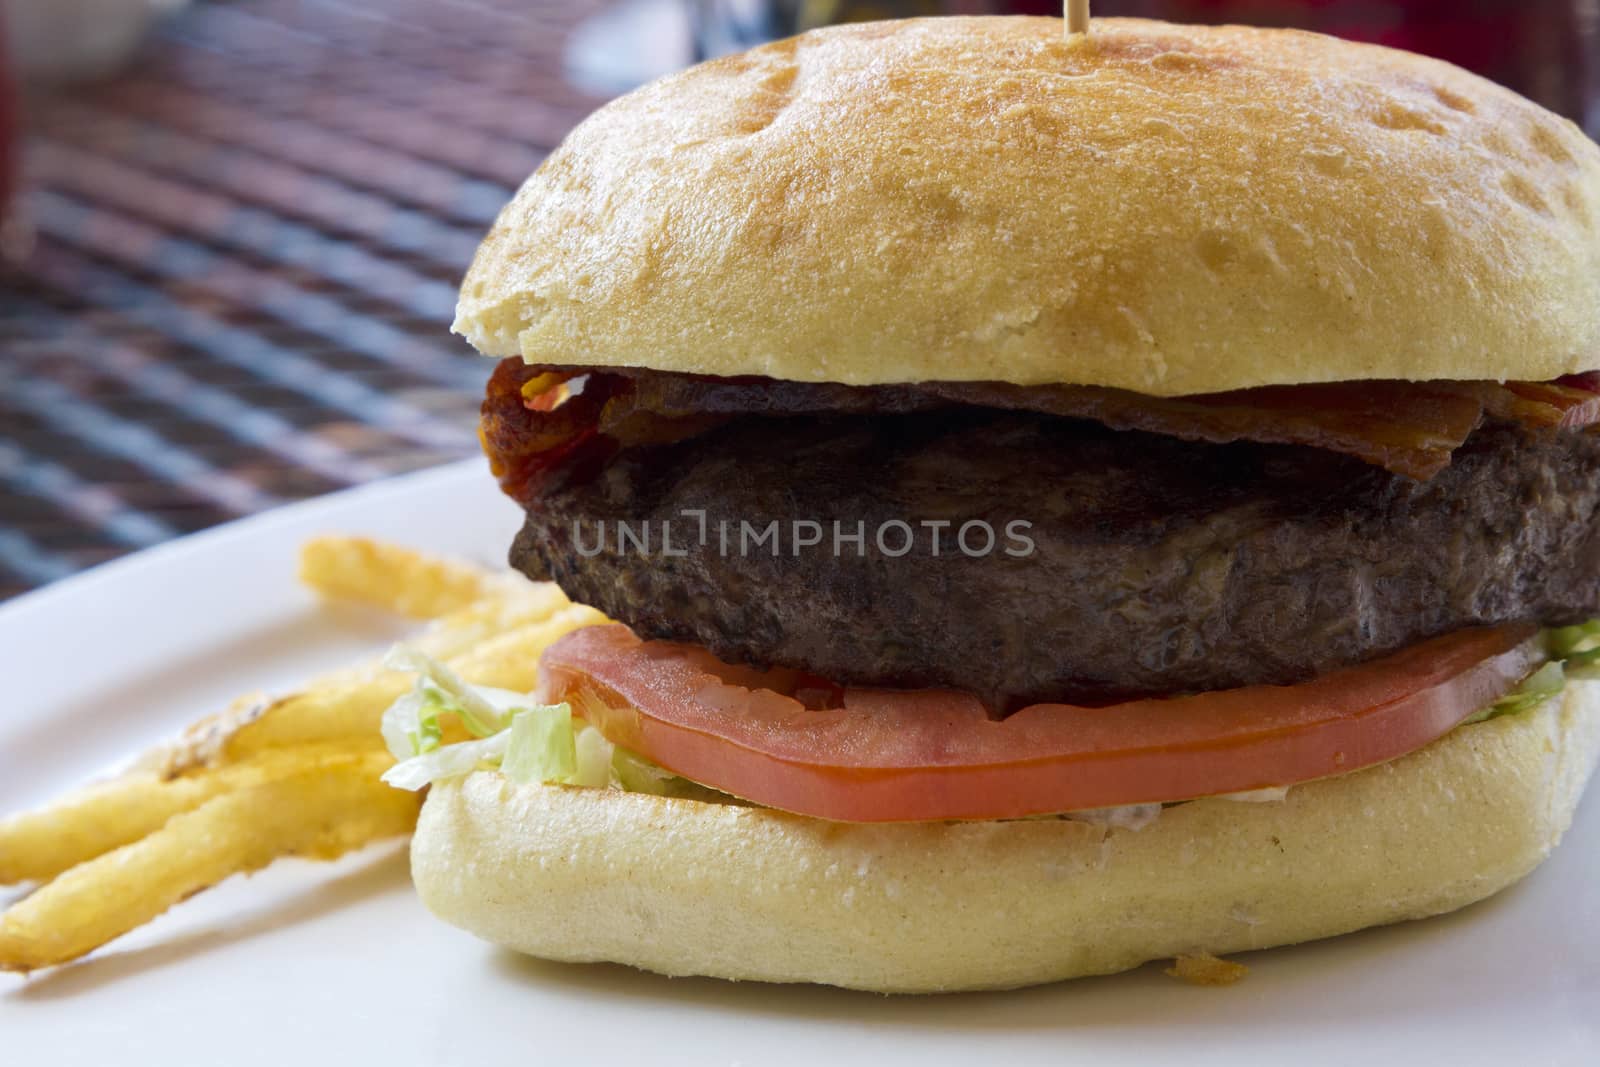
(892, 756)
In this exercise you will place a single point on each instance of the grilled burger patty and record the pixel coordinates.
(1156, 566)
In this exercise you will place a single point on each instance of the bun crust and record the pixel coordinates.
(1168, 209)
(684, 887)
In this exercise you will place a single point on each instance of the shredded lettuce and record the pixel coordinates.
(1267, 794)
(543, 747)
(1574, 653)
(1578, 647)
(1535, 689)
(411, 725)
(1126, 817)
(595, 755)
(638, 775)
(471, 704)
(528, 741)
(447, 761)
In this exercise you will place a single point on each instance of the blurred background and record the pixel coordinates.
(233, 228)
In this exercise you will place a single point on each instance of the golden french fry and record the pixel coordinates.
(200, 743)
(509, 661)
(506, 606)
(519, 604)
(331, 714)
(95, 819)
(91, 821)
(351, 702)
(264, 778)
(327, 807)
(391, 577)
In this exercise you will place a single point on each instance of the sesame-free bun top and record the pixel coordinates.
(1169, 209)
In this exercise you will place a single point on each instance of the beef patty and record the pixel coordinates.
(1156, 566)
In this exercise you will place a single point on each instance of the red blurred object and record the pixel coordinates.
(8, 128)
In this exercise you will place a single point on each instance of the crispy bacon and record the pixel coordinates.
(543, 423)
(533, 426)
(1408, 428)
(1570, 402)
(540, 422)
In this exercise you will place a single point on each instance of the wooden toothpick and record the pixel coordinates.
(1077, 15)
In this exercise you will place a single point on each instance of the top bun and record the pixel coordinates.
(1168, 209)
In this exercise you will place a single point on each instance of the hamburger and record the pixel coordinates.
(1062, 502)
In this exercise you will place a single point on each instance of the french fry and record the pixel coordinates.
(464, 604)
(200, 743)
(391, 577)
(38, 845)
(321, 810)
(519, 604)
(351, 702)
(96, 819)
(299, 774)
(509, 661)
(332, 714)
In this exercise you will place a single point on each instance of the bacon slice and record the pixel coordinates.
(541, 421)
(1405, 427)
(532, 433)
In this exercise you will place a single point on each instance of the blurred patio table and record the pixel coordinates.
(244, 258)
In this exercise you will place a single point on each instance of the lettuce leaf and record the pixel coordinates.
(638, 775)
(595, 755)
(1574, 653)
(543, 747)
(471, 704)
(1536, 688)
(1578, 647)
(411, 724)
(1565, 641)
(447, 761)
(526, 740)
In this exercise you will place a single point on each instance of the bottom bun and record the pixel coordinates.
(685, 887)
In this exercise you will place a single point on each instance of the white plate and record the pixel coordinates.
(338, 964)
